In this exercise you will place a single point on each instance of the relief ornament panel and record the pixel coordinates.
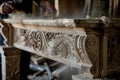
(66, 47)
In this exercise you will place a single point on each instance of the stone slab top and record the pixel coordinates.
(90, 22)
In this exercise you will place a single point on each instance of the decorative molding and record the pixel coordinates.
(51, 22)
(62, 46)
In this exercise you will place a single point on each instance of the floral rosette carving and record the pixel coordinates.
(35, 40)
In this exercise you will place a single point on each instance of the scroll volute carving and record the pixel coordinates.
(92, 48)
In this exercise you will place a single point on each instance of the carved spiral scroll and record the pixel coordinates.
(62, 47)
(92, 48)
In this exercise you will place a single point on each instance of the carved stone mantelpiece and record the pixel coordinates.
(97, 38)
(58, 45)
(66, 45)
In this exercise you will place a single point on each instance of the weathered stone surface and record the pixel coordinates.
(66, 45)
